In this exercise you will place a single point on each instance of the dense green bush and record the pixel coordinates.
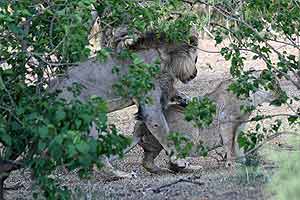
(41, 39)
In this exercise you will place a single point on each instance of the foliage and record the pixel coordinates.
(41, 39)
(51, 132)
(183, 144)
(138, 81)
(200, 111)
(172, 17)
(253, 28)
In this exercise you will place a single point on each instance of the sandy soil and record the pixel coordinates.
(213, 182)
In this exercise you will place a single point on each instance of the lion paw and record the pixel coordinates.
(154, 169)
(160, 171)
(117, 174)
(183, 166)
(121, 175)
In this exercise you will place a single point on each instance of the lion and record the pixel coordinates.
(177, 62)
(223, 131)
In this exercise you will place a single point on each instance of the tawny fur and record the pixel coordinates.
(223, 131)
(178, 62)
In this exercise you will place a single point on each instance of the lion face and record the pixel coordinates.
(179, 58)
(183, 64)
(189, 77)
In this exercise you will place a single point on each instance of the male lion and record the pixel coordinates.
(177, 62)
(223, 131)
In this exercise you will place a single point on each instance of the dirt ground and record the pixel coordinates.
(213, 182)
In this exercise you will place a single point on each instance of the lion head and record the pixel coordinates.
(178, 58)
(182, 61)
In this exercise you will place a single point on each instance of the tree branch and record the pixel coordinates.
(186, 180)
(262, 118)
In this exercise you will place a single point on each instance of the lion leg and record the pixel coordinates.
(238, 152)
(153, 117)
(156, 123)
(175, 164)
(149, 163)
(151, 148)
(227, 132)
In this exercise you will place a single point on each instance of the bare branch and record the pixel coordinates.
(181, 180)
(262, 118)
(7, 92)
(207, 51)
(293, 44)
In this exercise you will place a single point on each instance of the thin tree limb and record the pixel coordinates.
(181, 180)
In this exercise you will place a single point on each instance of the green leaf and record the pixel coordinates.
(71, 150)
(201, 111)
(43, 132)
(5, 138)
(293, 119)
(78, 123)
(1, 84)
(103, 54)
(82, 147)
(41, 146)
(60, 115)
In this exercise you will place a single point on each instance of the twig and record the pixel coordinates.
(208, 51)
(51, 30)
(12, 114)
(262, 118)
(181, 180)
(286, 43)
(58, 45)
(208, 32)
(8, 93)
